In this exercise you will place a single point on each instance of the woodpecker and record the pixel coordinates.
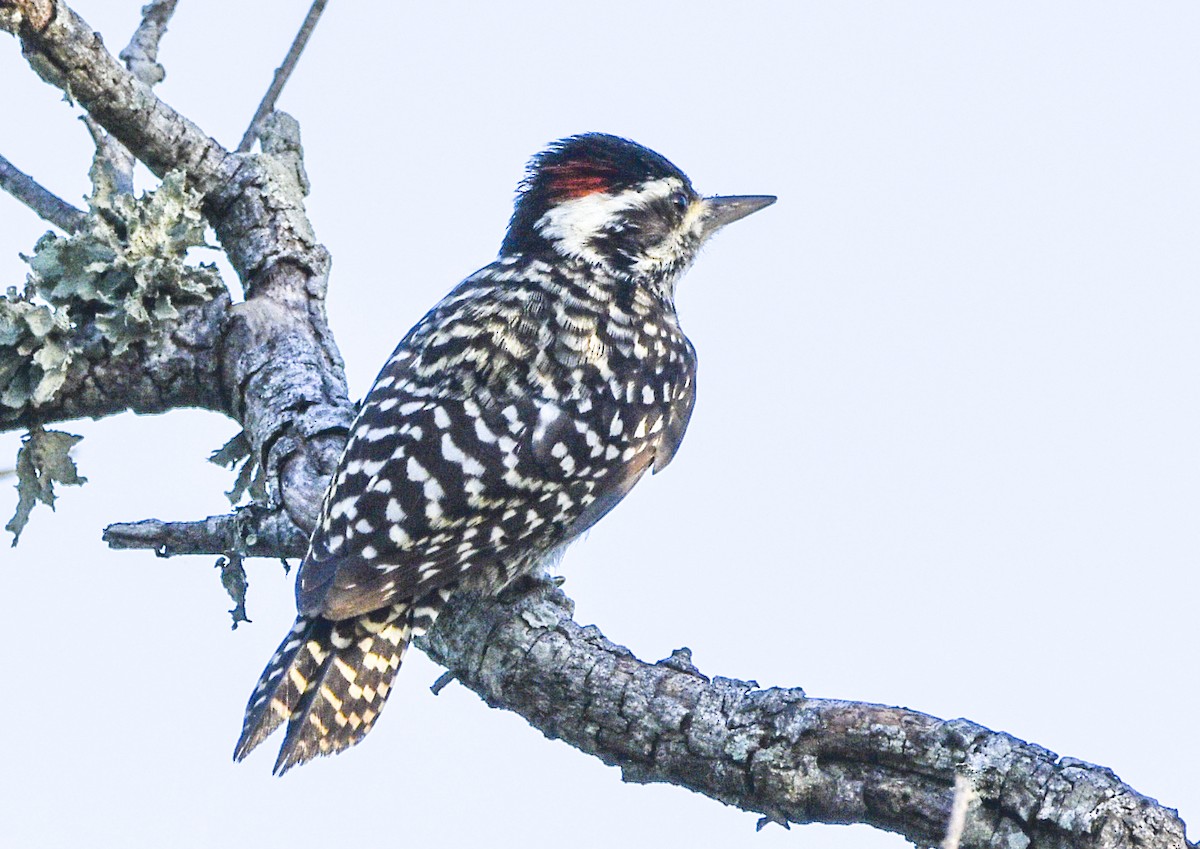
(509, 420)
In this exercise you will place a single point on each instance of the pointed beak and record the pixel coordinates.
(720, 211)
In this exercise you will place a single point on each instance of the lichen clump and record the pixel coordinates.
(96, 292)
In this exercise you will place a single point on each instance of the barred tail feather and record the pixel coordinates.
(342, 701)
(283, 682)
(329, 680)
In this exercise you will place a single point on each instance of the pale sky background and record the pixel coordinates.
(945, 453)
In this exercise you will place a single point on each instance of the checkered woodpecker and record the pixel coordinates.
(510, 419)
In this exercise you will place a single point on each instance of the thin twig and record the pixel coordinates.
(41, 200)
(113, 161)
(282, 73)
(442, 682)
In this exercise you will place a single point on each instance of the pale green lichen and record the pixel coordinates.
(125, 270)
(43, 460)
(91, 295)
(34, 352)
(236, 454)
(99, 290)
(233, 579)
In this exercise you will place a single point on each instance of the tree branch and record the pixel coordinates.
(112, 163)
(180, 369)
(141, 58)
(42, 201)
(776, 751)
(282, 74)
(249, 531)
(68, 54)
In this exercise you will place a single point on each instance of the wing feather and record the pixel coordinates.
(459, 462)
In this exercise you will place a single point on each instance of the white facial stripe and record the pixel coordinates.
(657, 189)
(575, 222)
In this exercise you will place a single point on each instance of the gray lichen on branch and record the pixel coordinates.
(277, 369)
(120, 279)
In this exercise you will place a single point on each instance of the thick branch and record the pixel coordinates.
(180, 368)
(777, 752)
(45, 203)
(69, 55)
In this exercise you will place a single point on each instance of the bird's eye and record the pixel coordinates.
(680, 201)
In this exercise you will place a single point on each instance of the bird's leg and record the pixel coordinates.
(528, 584)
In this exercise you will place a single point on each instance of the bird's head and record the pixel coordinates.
(613, 204)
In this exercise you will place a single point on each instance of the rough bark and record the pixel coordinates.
(774, 751)
(271, 364)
